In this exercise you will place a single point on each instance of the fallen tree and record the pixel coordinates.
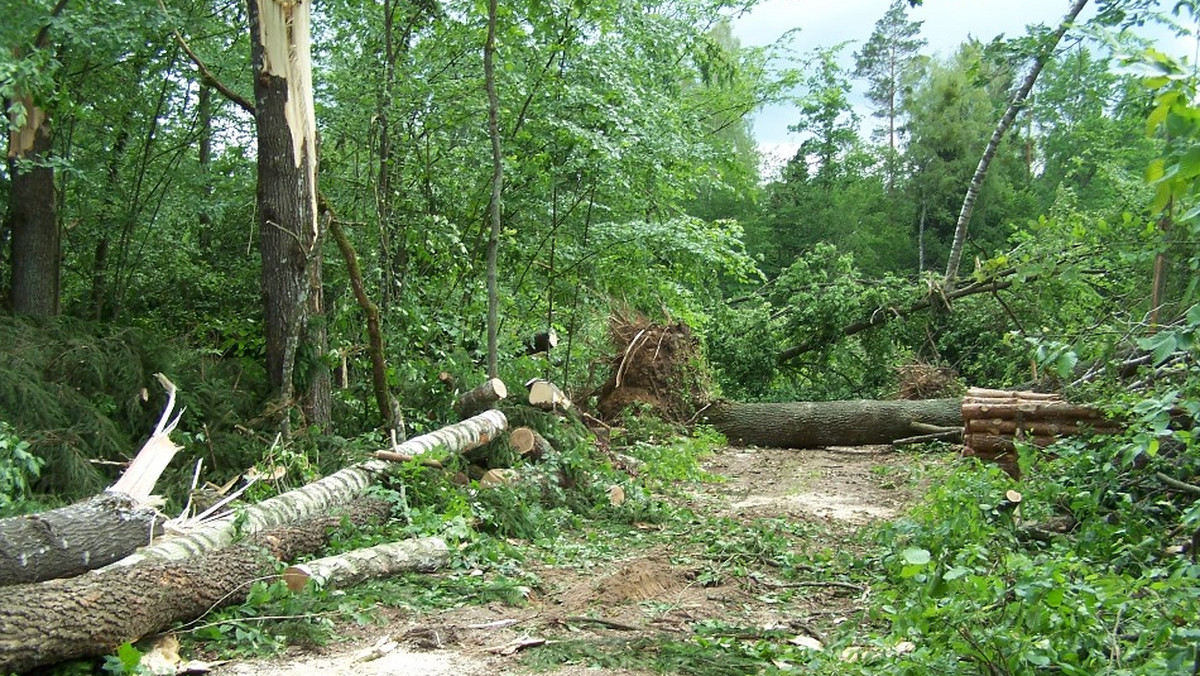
(91, 614)
(828, 423)
(99, 530)
(321, 495)
(350, 568)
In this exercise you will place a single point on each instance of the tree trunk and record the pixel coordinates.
(36, 254)
(828, 423)
(481, 398)
(104, 528)
(489, 72)
(530, 444)
(74, 539)
(48, 622)
(321, 495)
(351, 568)
(1014, 107)
(383, 396)
(289, 232)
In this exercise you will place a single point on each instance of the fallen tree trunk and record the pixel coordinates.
(74, 539)
(828, 423)
(530, 444)
(48, 622)
(99, 530)
(350, 568)
(321, 495)
(481, 398)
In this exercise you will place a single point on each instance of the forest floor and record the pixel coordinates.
(616, 594)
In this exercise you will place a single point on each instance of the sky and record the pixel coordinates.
(947, 23)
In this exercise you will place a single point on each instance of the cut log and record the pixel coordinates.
(992, 443)
(828, 423)
(986, 393)
(48, 622)
(321, 495)
(481, 398)
(545, 395)
(541, 343)
(972, 409)
(530, 444)
(348, 569)
(74, 539)
(1041, 428)
(99, 530)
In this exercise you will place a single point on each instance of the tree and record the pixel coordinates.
(887, 61)
(289, 231)
(33, 206)
(1010, 115)
(489, 74)
(827, 116)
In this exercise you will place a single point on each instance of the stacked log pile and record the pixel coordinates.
(994, 421)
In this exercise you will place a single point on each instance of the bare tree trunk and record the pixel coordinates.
(489, 72)
(829, 423)
(289, 231)
(204, 159)
(36, 248)
(1015, 107)
(383, 397)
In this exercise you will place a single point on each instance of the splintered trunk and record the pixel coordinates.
(33, 217)
(829, 423)
(289, 231)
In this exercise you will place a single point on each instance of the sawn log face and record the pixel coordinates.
(828, 423)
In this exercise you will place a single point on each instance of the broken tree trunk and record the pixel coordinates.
(530, 444)
(828, 423)
(348, 569)
(99, 530)
(321, 495)
(481, 398)
(48, 622)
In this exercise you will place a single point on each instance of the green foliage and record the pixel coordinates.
(18, 469)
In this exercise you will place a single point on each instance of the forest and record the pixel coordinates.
(263, 240)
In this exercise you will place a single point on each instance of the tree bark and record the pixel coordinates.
(828, 423)
(481, 398)
(104, 528)
(289, 232)
(351, 568)
(321, 495)
(48, 622)
(36, 247)
(74, 539)
(1014, 107)
(489, 72)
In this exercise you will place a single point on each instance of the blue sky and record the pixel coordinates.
(947, 23)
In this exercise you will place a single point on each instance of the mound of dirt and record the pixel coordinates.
(659, 365)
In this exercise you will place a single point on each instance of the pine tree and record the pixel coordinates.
(887, 61)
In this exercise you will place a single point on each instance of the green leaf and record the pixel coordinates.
(916, 556)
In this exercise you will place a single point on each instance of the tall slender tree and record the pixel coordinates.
(887, 62)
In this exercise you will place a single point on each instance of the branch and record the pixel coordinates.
(205, 73)
(1001, 280)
